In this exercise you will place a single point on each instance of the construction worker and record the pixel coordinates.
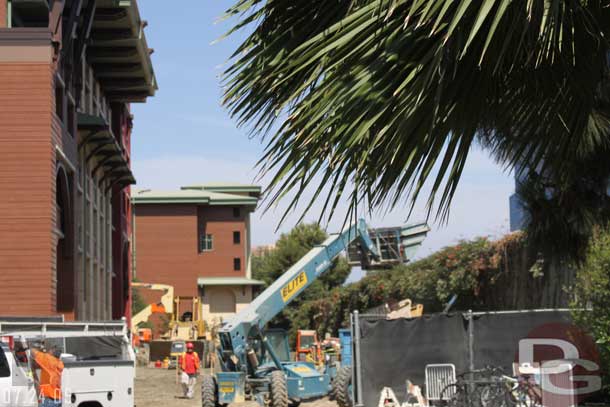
(51, 368)
(189, 367)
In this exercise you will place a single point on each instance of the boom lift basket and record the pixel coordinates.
(395, 245)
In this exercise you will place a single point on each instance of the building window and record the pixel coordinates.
(206, 243)
(70, 125)
(125, 204)
(237, 264)
(59, 100)
(22, 14)
(236, 237)
(236, 212)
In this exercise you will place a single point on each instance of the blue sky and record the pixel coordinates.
(183, 136)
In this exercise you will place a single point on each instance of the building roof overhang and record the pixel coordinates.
(119, 53)
(217, 281)
(103, 146)
(227, 188)
(193, 196)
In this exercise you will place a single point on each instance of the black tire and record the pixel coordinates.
(278, 389)
(340, 390)
(208, 391)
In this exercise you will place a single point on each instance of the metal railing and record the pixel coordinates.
(46, 329)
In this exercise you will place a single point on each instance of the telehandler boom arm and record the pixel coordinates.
(234, 334)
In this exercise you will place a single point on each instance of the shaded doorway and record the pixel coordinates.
(63, 257)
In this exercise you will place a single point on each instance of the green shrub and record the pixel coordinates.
(289, 249)
(137, 301)
(592, 289)
(467, 269)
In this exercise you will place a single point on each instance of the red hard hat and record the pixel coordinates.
(189, 345)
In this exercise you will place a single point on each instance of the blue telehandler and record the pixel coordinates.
(254, 362)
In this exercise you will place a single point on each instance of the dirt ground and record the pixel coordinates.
(159, 387)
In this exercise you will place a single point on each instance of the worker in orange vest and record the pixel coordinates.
(51, 368)
(189, 367)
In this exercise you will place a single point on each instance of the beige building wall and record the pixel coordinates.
(219, 303)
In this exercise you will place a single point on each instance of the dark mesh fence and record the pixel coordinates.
(497, 336)
(394, 351)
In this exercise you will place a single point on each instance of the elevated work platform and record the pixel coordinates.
(395, 245)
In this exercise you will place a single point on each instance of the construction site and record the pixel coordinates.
(363, 203)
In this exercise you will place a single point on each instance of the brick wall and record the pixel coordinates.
(3, 13)
(27, 164)
(220, 223)
(167, 245)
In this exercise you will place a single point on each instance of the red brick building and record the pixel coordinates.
(68, 72)
(197, 240)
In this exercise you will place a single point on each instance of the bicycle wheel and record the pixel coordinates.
(526, 395)
(454, 395)
(494, 395)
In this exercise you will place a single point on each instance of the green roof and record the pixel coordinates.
(227, 281)
(226, 188)
(191, 195)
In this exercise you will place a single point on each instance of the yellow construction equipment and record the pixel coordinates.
(188, 325)
(308, 348)
(166, 305)
(405, 309)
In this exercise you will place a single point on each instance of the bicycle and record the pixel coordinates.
(490, 387)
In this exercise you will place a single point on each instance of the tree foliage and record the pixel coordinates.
(463, 269)
(483, 273)
(593, 293)
(289, 249)
(138, 303)
(567, 207)
(378, 97)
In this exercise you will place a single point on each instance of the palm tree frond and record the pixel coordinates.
(386, 96)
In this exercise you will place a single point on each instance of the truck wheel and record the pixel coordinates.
(341, 389)
(279, 390)
(208, 391)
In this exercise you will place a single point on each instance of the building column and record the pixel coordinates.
(108, 257)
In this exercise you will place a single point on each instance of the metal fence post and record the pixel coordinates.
(471, 386)
(357, 371)
(470, 340)
(354, 366)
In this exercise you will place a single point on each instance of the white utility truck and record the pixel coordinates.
(99, 362)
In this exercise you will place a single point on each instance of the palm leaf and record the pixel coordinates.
(379, 106)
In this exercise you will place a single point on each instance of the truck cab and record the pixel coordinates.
(99, 363)
(16, 385)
